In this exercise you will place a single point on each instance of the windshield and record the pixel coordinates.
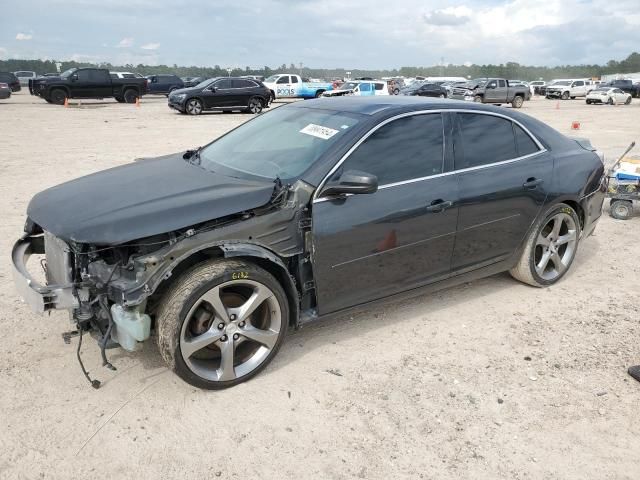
(206, 82)
(68, 73)
(282, 143)
(602, 89)
(562, 83)
(272, 79)
(348, 86)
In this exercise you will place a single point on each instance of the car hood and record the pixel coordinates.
(186, 90)
(141, 199)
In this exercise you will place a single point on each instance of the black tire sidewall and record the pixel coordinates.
(130, 96)
(256, 274)
(61, 99)
(560, 208)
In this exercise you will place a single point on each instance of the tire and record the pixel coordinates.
(610, 101)
(621, 209)
(119, 99)
(517, 102)
(588, 102)
(193, 106)
(130, 96)
(396, 91)
(442, 95)
(565, 96)
(196, 302)
(58, 96)
(533, 267)
(628, 101)
(573, 98)
(547, 97)
(477, 99)
(255, 105)
(319, 93)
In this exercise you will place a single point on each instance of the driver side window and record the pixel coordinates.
(405, 149)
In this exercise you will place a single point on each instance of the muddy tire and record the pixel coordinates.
(517, 102)
(221, 323)
(550, 248)
(621, 209)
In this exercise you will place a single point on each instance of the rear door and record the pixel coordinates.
(101, 83)
(401, 237)
(503, 179)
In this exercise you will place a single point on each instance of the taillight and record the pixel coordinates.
(4, 85)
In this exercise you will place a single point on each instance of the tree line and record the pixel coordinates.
(511, 70)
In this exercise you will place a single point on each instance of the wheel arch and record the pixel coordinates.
(257, 254)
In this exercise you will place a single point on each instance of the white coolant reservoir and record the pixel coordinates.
(132, 325)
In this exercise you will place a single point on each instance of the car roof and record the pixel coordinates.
(375, 105)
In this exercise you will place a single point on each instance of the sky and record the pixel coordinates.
(350, 34)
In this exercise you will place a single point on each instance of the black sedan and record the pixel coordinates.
(221, 94)
(426, 90)
(311, 210)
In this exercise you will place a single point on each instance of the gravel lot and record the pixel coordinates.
(489, 380)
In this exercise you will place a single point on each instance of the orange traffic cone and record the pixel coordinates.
(138, 102)
(66, 102)
(575, 125)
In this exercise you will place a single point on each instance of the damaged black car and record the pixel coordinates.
(310, 210)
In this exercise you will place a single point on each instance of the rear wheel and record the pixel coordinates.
(550, 248)
(627, 101)
(255, 105)
(130, 96)
(221, 323)
(517, 102)
(193, 106)
(621, 209)
(442, 95)
(319, 93)
(58, 96)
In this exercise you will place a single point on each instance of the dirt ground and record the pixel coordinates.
(489, 380)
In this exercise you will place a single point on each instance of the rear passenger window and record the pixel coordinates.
(502, 83)
(294, 79)
(405, 149)
(525, 144)
(484, 139)
(379, 86)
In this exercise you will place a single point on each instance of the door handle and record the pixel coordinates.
(532, 183)
(439, 205)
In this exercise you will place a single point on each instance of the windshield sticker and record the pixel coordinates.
(319, 131)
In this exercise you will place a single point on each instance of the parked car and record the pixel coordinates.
(363, 88)
(626, 86)
(492, 90)
(24, 77)
(567, 89)
(287, 85)
(222, 248)
(538, 85)
(609, 95)
(221, 94)
(426, 90)
(164, 84)
(11, 80)
(5, 91)
(87, 83)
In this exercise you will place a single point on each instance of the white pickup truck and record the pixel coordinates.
(569, 88)
(288, 85)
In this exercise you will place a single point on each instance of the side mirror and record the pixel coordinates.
(213, 88)
(352, 181)
(492, 85)
(74, 77)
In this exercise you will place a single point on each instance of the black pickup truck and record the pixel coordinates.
(626, 86)
(88, 83)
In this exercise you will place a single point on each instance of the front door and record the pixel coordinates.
(222, 95)
(370, 246)
(503, 180)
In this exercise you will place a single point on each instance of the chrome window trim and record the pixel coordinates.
(413, 180)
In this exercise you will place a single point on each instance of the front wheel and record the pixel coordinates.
(550, 248)
(477, 99)
(517, 102)
(193, 106)
(565, 96)
(221, 323)
(610, 101)
(255, 105)
(628, 101)
(442, 95)
(58, 96)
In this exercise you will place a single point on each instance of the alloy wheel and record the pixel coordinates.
(555, 246)
(255, 106)
(194, 107)
(230, 330)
